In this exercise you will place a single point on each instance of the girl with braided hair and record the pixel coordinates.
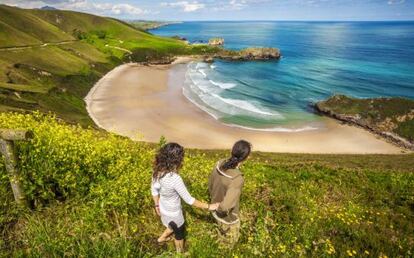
(225, 187)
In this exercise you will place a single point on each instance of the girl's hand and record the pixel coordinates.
(214, 206)
(157, 210)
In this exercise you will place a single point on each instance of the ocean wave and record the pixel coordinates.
(277, 129)
(224, 85)
(205, 109)
(199, 85)
(206, 94)
(202, 72)
(199, 65)
(248, 106)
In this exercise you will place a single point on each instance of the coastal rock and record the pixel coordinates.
(208, 59)
(260, 53)
(216, 42)
(390, 118)
(250, 54)
(179, 38)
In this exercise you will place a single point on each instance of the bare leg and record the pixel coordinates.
(164, 236)
(179, 245)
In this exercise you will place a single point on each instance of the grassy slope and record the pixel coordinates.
(31, 25)
(57, 77)
(91, 192)
(384, 114)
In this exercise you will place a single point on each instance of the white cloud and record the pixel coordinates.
(186, 6)
(235, 4)
(120, 9)
(392, 2)
(111, 9)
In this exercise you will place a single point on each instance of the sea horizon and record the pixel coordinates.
(373, 21)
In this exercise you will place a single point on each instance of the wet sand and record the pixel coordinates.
(146, 102)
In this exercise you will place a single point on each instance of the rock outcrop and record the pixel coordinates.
(250, 54)
(390, 118)
(216, 42)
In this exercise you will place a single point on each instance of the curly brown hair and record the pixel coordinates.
(168, 159)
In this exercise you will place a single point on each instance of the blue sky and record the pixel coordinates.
(182, 10)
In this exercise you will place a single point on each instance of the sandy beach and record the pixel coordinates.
(146, 102)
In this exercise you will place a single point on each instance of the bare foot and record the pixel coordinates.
(161, 240)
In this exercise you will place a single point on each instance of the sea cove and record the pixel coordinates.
(145, 102)
(319, 59)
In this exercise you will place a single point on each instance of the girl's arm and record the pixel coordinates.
(202, 205)
(156, 204)
(155, 191)
(186, 196)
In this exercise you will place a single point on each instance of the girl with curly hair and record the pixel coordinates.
(168, 189)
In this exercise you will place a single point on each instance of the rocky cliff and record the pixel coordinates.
(391, 118)
(247, 54)
(216, 42)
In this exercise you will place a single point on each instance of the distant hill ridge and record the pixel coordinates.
(48, 8)
(21, 27)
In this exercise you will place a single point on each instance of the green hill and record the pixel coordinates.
(90, 196)
(49, 59)
(27, 28)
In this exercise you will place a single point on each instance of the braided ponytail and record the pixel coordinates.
(241, 150)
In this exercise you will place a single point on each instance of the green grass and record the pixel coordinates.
(86, 52)
(23, 88)
(90, 192)
(51, 59)
(10, 37)
(28, 25)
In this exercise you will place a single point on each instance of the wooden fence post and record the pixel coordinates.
(7, 147)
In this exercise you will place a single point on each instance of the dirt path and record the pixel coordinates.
(36, 46)
(119, 48)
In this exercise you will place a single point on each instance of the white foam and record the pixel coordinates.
(205, 94)
(187, 95)
(224, 85)
(248, 106)
(203, 73)
(200, 65)
(277, 129)
(213, 67)
(199, 85)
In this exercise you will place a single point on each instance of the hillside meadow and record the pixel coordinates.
(89, 195)
(50, 59)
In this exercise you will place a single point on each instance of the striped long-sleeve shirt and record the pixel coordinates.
(171, 189)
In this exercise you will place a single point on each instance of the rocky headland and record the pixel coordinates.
(390, 118)
(247, 54)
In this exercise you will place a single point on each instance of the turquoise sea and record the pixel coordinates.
(359, 59)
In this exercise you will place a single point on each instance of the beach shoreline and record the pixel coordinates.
(145, 102)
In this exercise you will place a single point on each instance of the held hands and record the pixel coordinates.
(213, 206)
